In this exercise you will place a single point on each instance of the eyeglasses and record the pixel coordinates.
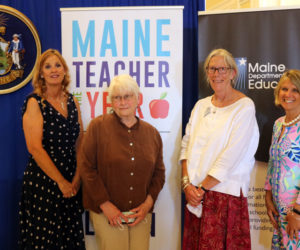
(221, 70)
(119, 98)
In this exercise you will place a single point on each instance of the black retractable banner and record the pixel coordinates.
(264, 43)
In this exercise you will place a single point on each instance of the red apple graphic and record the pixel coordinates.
(159, 108)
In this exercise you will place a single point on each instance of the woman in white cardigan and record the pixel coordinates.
(217, 156)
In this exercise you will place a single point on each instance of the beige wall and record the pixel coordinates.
(242, 4)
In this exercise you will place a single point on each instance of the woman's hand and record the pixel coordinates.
(193, 195)
(271, 210)
(141, 211)
(76, 182)
(112, 213)
(293, 225)
(33, 131)
(66, 188)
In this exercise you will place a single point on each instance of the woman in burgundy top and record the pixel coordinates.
(122, 170)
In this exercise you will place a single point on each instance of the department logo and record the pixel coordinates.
(257, 75)
(19, 49)
(242, 76)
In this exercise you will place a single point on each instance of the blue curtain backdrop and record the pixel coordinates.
(45, 15)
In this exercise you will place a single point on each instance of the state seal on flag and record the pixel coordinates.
(20, 48)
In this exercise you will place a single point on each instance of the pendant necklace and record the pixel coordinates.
(62, 102)
(62, 105)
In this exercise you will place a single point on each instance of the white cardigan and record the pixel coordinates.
(221, 142)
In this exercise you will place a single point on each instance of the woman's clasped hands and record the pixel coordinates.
(67, 188)
(193, 195)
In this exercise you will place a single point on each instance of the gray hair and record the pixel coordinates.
(228, 58)
(123, 83)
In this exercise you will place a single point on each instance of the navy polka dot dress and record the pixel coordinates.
(47, 219)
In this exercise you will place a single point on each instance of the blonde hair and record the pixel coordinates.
(39, 85)
(228, 58)
(294, 76)
(123, 83)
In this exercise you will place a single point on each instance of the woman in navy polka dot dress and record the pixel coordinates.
(50, 206)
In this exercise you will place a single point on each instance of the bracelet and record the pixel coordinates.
(296, 211)
(185, 181)
(203, 188)
(185, 186)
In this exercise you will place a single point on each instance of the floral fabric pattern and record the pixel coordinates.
(283, 179)
(224, 224)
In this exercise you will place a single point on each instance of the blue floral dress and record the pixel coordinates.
(283, 179)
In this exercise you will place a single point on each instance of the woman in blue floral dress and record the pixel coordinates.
(283, 179)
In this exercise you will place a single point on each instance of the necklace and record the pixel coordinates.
(61, 101)
(62, 105)
(291, 122)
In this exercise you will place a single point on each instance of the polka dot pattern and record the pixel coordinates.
(47, 219)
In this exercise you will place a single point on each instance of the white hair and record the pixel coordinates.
(123, 83)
